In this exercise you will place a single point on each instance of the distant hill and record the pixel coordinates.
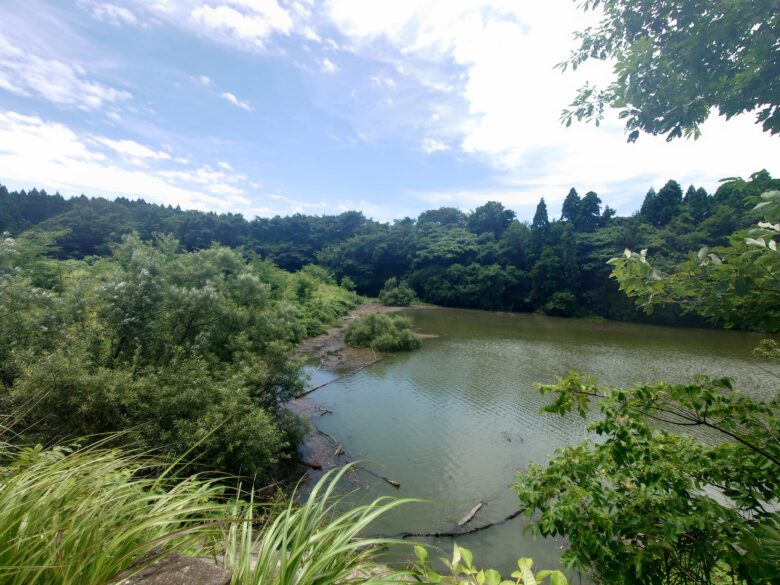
(482, 259)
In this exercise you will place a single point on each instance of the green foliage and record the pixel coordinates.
(491, 217)
(78, 517)
(311, 544)
(485, 259)
(462, 570)
(734, 285)
(647, 504)
(676, 60)
(382, 332)
(768, 350)
(178, 349)
(396, 294)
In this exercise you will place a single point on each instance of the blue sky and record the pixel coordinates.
(264, 107)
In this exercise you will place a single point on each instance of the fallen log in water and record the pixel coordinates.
(470, 516)
(340, 452)
(310, 390)
(453, 533)
(393, 483)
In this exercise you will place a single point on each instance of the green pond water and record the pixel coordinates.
(454, 420)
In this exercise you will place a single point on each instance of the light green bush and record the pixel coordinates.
(382, 332)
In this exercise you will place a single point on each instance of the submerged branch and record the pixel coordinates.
(310, 390)
(453, 533)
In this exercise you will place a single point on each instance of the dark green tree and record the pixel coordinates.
(698, 203)
(540, 221)
(444, 216)
(589, 214)
(570, 209)
(491, 217)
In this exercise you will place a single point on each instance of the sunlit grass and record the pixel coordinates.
(317, 542)
(86, 516)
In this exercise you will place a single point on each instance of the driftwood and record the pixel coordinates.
(310, 390)
(452, 533)
(470, 516)
(310, 464)
(393, 483)
(340, 451)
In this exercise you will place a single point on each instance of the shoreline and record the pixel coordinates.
(333, 353)
(336, 357)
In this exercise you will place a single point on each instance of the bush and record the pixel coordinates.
(396, 294)
(170, 349)
(382, 332)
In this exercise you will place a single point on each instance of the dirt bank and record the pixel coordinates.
(330, 350)
(331, 353)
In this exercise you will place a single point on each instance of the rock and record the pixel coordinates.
(178, 569)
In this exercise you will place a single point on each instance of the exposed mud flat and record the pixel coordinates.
(330, 353)
(330, 350)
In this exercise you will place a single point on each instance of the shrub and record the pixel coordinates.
(382, 332)
(396, 294)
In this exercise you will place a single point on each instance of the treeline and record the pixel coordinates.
(186, 353)
(485, 259)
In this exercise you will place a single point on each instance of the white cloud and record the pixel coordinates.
(494, 92)
(34, 151)
(131, 150)
(431, 145)
(205, 81)
(328, 66)
(111, 13)
(382, 81)
(229, 97)
(59, 82)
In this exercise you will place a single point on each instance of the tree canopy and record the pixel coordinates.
(676, 60)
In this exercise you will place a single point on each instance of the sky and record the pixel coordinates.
(266, 107)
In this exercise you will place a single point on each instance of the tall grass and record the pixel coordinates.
(314, 543)
(84, 516)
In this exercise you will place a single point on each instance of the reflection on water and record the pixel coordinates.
(453, 421)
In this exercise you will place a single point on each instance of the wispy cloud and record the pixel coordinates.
(131, 150)
(60, 82)
(431, 145)
(328, 66)
(231, 98)
(110, 13)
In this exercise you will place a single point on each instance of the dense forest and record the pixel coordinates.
(484, 259)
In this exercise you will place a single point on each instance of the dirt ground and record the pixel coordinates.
(332, 352)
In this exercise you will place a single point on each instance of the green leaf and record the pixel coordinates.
(492, 577)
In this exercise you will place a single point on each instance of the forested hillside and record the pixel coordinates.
(484, 259)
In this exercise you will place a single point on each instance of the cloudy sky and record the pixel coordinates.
(266, 107)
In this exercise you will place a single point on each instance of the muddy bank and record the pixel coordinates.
(330, 353)
(330, 350)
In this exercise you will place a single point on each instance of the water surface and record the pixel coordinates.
(454, 420)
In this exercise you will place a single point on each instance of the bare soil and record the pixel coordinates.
(333, 353)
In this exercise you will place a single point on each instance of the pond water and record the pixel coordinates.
(453, 421)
